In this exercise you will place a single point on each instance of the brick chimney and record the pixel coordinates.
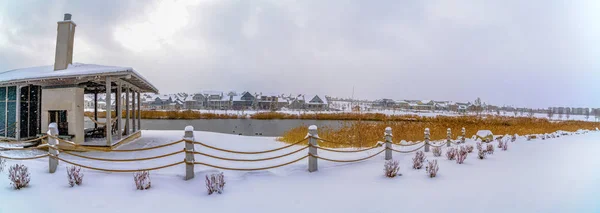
(64, 43)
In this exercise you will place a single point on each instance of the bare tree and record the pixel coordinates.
(477, 106)
(516, 112)
(568, 114)
(587, 114)
(550, 114)
(560, 114)
(530, 113)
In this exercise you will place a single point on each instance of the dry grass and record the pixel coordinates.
(365, 133)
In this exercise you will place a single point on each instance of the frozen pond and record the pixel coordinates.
(231, 126)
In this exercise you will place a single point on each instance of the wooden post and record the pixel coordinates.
(53, 150)
(464, 133)
(119, 108)
(127, 113)
(449, 137)
(189, 152)
(388, 143)
(426, 139)
(312, 150)
(108, 125)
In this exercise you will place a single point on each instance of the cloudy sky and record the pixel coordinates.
(535, 53)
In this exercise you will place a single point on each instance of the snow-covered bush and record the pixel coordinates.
(479, 146)
(418, 160)
(18, 176)
(490, 149)
(500, 144)
(432, 168)
(2, 164)
(437, 151)
(451, 153)
(505, 146)
(142, 180)
(514, 138)
(461, 155)
(215, 183)
(481, 154)
(391, 168)
(74, 175)
(469, 148)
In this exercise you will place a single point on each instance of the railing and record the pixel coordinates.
(190, 151)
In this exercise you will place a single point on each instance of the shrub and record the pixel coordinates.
(142, 180)
(432, 168)
(461, 155)
(490, 149)
(479, 146)
(505, 146)
(74, 175)
(2, 164)
(19, 176)
(481, 154)
(437, 151)
(391, 168)
(451, 154)
(500, 143)
(216, 183)
(514, 138)
(469, 148)
(418, 160)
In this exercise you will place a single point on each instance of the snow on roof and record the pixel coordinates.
(74, 70)
(212, 92)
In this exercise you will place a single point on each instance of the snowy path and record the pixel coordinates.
(555, 175)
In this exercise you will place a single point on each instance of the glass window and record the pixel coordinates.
(2, 118)
(25, 93)
(11, 119)
(2, 93)
(12, 93)
(24, 115)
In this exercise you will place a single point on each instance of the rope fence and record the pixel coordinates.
(53, 148)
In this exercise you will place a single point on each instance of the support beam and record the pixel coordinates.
(108, 126)
(127, 113)
(119, 108)
(95, 108)
(133, 111)
(139, 112)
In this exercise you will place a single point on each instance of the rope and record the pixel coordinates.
(440, 145)
(116, 150)
(123, 160)
(246, 153)
(119, 170)
(347, 161)
(250, 160)
(408, 151)
(21, 148)
(347, 151)
(251, 169)
(399, 144)
(26, 158)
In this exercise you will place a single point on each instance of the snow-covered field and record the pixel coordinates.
(554, 175)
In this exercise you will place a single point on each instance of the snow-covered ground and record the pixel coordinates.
(554, 175)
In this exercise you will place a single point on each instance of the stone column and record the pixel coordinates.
(53, 150)
(449, 137)
(464, 133)
(312, 150)
(108, 125)
(427, 139)
(388, 143)
(189, 152)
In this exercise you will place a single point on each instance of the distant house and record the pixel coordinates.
(384, 103)
(402, 104)
(267, 101)
(316, 102)
(243, 102)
